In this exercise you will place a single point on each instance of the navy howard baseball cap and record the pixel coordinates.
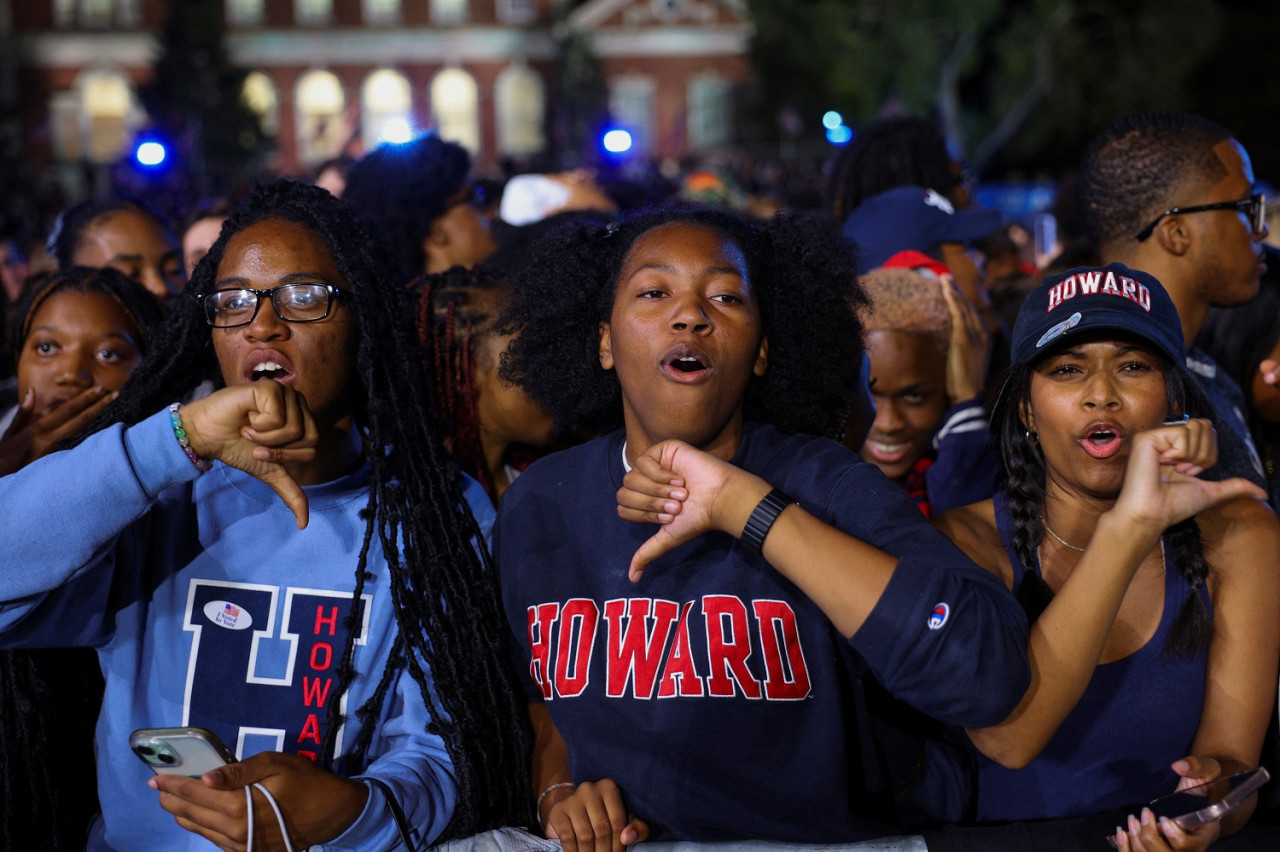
(1105, 298)
(912, 217)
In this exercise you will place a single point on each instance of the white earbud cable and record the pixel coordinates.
(271, 800)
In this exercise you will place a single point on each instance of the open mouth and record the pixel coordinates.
(269, 370)
(266, 365)
(688, 364)
(684, 363)
(1102, 441)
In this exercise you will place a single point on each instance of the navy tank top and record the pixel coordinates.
(1137, 716)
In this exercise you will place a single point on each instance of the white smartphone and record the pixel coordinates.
(1207, 802)
(187, 751)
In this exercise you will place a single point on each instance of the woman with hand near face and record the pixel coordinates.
(686, 626)
(77, 338)
(292, 562)
(1152, 590)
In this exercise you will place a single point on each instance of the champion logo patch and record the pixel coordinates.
(937, 618)
(228, 615)
(1059, 329)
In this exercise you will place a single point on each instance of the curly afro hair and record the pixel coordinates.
(804, 276)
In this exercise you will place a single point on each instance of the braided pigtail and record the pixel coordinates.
(1193, 627)
(1024, 475)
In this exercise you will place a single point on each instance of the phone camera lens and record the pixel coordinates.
(145, 751)
(166, 759)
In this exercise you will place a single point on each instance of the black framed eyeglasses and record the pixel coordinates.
(292, 302)
(1254, 208)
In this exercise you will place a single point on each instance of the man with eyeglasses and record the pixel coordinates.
(1173, 195)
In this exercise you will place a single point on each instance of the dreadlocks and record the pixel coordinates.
(456, 309)
(442, 585)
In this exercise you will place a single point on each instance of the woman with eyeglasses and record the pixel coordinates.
(292, 562)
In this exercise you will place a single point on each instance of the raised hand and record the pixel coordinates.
(969, 350)
(259, 428)
(317, 805)
(1161, 485)
(31, 436)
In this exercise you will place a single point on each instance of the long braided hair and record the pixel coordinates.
(1024, 488)
(49, 698)
(443, 586)
(455, 309)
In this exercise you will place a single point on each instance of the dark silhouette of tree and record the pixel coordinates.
(194, 100)
(579, 100)
(1011, 82)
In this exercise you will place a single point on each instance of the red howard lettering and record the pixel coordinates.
(310, 730)
(541, 619)
(679, 677)
(636, 653)
(575, 641)
(313, 694)
(649, 649)
(269, 673)
(787, 673)
(331, 621)
(728, 647)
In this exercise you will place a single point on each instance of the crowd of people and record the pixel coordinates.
(532, 517)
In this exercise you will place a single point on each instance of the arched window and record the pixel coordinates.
(96, 13)
(631, 105)
(445, 12)
(387, 105)
(380, 11)
(517, 11)
(320, 106)
(313, 12)
(245, 13)
(108, 115)
(260, 95)
(455, 106)
(520, 99)
(710, 111)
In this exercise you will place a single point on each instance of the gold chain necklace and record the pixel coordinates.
(1059, 539)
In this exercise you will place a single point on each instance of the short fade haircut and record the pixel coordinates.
(1141, 165)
